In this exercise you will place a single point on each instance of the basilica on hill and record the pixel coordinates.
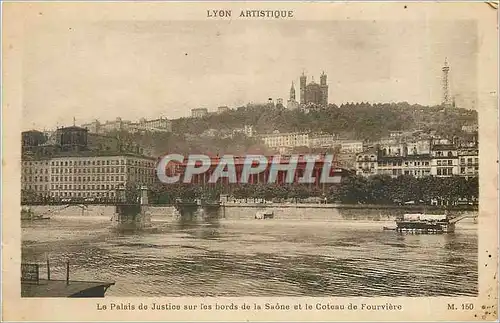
(312, 93)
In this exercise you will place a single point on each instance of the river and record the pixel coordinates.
(322, 255)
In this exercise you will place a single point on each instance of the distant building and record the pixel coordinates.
(199, 112)
(470, 128)
(292, 103)
(322, 141)
(223, 109)
(313, 93)
(349, 146)
(291, 139)
(156, 125)
(247, 130)
(116, 125)
(93, 127)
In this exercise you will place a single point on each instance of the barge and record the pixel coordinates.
(424, 223)
(427, 223)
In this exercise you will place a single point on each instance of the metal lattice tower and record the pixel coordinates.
(446, 91)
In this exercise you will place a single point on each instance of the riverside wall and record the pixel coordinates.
(316, 212)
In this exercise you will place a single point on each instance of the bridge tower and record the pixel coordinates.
(131, 215)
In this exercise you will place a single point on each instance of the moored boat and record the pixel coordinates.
(27, 214)
(264, 214)
(425, 223)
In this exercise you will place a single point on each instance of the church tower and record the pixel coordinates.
(324, 89)
(292, 92)
(303, 80)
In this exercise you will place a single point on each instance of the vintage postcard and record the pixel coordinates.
(249, 161)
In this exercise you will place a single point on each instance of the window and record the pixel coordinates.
(450, 162)
(439, 171)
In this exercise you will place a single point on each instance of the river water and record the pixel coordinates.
(240, 256)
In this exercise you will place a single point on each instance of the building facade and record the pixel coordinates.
(444, 161)
(223, 109)
(413, 165)
(156, 125)
(314, 93)
(239, 161)
(366, 163)
(85, 175)
(468, 162)
(292, 103)
(290, 139)
(199, 112)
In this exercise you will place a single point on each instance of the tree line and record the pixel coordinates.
(377, 189)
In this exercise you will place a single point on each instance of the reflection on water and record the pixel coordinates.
(202, 255)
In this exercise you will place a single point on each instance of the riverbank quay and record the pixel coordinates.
(49, 208)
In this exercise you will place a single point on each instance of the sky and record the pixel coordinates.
(134, 69)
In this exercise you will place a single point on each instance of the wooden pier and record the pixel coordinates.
(33, 286)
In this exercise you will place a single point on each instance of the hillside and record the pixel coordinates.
(360, 121)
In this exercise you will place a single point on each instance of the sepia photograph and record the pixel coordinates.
(172, 151)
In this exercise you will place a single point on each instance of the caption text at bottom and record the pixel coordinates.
(319, 306)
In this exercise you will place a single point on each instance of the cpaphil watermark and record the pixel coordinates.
(239, 170)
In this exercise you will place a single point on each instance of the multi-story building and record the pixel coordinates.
(349, 146)
(117, 125)
(157, 125)
(79, 166)
(98, 175)
(366, 163)
(396, 148)
(263, 177)
(322, 141)
(35, 176)
(419, 159)
(223, 109)
(444, 161)
(290, 139)
(199, 112)
(468, 162)
(86, 175)
(414, 165)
